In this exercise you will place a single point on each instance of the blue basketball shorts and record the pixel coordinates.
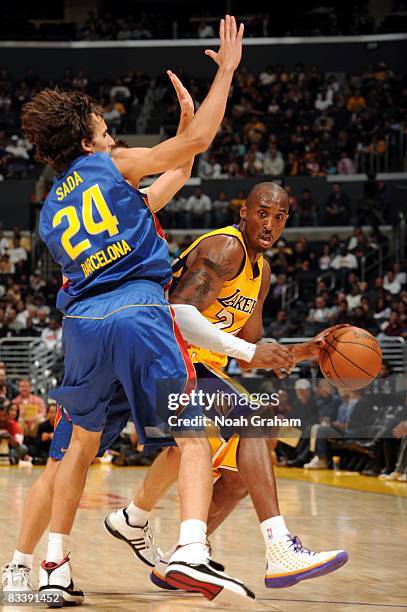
(125, 337)
(118, 416)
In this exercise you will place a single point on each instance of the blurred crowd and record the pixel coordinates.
(27, 302)
(303, 122)
(281, 122)
(145, 24)
(199, 210)
(362, 430)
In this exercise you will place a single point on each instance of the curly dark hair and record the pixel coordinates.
(55, 122)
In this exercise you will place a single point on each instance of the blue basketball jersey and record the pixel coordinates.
(101, 230)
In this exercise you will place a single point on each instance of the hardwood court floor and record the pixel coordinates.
(372, 527)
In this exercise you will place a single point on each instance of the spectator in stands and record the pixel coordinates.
(279, 328)
(4, 243)
(353, 420)
(324, 262)
(172, 245)
(345, 165)
(31, 408)
(395, 327)
(400, 276)
(356, 101)
(337, 207)
(11, 388)
(18, 255)
(45, 433)
(174, 212)
(220, 210)
(324, 100)
(11, 432)
(391, 284)
(16, 148)
(200, 206)
(120, 92)
(303, 408)
(40, 319)
(319, 316)
(112, 117)
(306, 209)
(400, 471)
(273, 162)
(206, 30)
(52, 335)
(344, 261)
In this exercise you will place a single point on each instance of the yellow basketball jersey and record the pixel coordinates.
(235, 302)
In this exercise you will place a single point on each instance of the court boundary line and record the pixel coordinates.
(195, 596)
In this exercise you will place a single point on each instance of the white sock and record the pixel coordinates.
(192, 531)
(273, 527)
(22, 559)
(57, 550)
(137, 516)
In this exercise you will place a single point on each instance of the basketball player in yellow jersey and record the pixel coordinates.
(220, 284)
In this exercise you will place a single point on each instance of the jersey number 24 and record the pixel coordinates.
(108, 222)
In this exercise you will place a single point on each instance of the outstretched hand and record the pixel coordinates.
(184, 97)
(230, 50)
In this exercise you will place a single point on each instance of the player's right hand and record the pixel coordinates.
(230, 50)
(270, 355)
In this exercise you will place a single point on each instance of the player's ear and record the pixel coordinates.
(86, 145)
(243, 212)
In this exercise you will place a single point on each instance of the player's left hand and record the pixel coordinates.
(185, 100)
(319, 341)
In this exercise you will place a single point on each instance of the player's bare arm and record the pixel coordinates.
(216, 260)
(274, 355)
(196, 138)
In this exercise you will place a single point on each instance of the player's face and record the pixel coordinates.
(265, 222)
(101, 142)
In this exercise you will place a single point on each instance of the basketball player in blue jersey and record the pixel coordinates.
(118, 328)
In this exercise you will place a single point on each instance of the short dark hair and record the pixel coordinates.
(55, 123)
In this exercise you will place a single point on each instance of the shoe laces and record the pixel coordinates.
(16, 575)
(295, 544)
(150, 543)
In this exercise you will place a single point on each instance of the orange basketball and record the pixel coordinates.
(351, 359)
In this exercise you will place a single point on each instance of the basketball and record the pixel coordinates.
(352, 358)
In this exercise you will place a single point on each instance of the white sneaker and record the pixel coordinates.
(16, 578)
(157, 576)
(288, 562)
(56, 581)
(317, 464)
(208, 578)
(402, 478)
(140, 539)
(392, 476)
(25, 463)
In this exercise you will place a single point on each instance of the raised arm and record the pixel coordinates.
(196, 138)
